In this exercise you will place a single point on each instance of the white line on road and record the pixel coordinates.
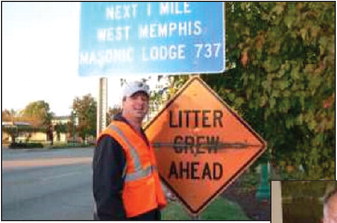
(10, 164)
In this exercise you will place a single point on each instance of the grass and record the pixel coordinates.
(174, 211)
(219, 209)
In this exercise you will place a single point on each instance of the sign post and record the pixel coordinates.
(102, 105)
(137, 38)
(263, 191)
(201, 144)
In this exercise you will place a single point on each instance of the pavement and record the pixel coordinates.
(47, 184)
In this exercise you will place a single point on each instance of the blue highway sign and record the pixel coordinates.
(137, 38)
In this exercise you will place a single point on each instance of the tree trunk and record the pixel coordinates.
(13, 136)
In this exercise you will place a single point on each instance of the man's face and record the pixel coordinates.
(136, 106)
(330, 211)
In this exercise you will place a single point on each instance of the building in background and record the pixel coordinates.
(25, 132)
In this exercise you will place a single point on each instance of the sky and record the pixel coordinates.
(40, 48)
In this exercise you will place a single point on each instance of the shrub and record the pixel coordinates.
(25, 145)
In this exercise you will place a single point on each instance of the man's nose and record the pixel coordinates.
(139, 100)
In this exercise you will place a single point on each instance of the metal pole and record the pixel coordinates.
(73, 117)
(263, 191)
(102, 104)
(74, 133)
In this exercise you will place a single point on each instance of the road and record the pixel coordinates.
(47, 184)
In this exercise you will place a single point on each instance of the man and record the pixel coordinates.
(126, 184)
(330, 207)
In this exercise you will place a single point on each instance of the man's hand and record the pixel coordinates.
(170, 196)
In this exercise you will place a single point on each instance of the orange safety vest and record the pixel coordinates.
(142, 189)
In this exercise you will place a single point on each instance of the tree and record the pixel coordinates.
(9, 115)
(38, 114)
(283, 82)
(61, 128)
(280, 77)
(14, 131)
(85, 110)
(112, 112)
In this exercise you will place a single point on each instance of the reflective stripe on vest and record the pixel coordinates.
(140, 173)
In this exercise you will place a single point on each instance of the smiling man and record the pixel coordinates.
(330, 207)
(126, 184)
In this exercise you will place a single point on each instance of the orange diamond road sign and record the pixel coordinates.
(201, 145)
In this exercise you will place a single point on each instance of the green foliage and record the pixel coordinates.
(283, 82)
(70, 145)
(215, 211)
(61, 128)
(15, 131)
(174, 211)
(302, 189)
(112, 112)
(280, 78)
(25, 145)
(11, 131)
(85, 110)
(38, 114)
(249, 181)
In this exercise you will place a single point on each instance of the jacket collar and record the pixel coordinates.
(120, 118)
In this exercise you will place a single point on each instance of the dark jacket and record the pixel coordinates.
(108, 164)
